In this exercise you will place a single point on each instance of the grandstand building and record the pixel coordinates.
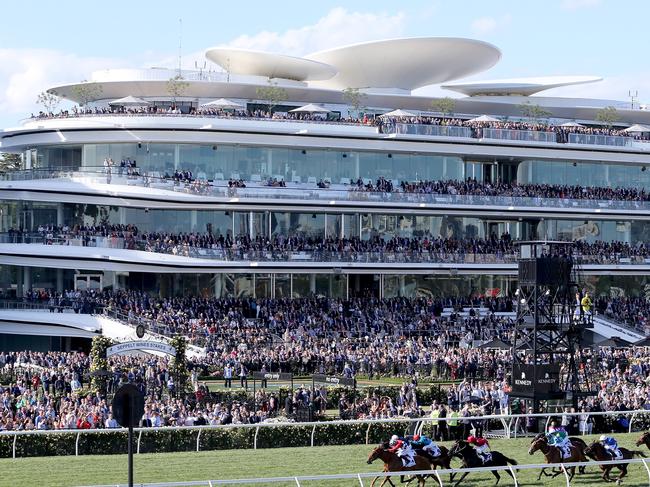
(349, 154)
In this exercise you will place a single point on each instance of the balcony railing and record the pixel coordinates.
(431, 130)
(594, 139)
(520, 135)
(310, 193)
(236, 254)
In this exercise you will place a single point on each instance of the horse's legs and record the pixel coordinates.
(372, 484)
(623, 468)
(461, 479)
(572, 472)
(496, 474)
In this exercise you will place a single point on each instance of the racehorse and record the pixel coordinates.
(443, 460)
(554, 455)
(597, 452)
(644, 439)
(575, 441)
(393, 463)
(470, 459)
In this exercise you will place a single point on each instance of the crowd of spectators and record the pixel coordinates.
(50, 391)
(209, 244)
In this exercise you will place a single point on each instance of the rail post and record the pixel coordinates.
(313, 432)
(514, 475)
(138, 445)
(647, 469)
(14, 447)
(257, 430)
(297, 481)
(360, 480)
(516, 426)
(76, 445)
(368, 433)
(198, 441)
(629, 427)
(566, 475)
(435, 472)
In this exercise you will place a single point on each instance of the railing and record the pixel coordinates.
(510, 423)
(340, 192)
(594, 139)
(284, 255)
(358, 477)
(521, 135)
(430, 130)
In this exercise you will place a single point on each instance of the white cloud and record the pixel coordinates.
(24, 73)
(578, 4)
(337, 28)
(488, 25)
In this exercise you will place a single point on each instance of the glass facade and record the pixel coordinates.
(583, 174)
(29, 215)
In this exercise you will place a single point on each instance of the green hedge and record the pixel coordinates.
(162, 440)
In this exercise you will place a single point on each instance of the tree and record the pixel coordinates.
(49, 101)
(99, 364)
(9, 162)
(272, 95)
(355, 98)
(86, 91)
(176, 86)
(534, 111)
(178, 364)
(445, 106)
(608, 116)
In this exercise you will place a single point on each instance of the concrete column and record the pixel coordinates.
(27, 279)
(177, 156)
(312, 283)
(59, 214)
(59, 280)
(193, 221)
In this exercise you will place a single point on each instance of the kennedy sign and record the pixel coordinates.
(140, 345)
(526, 384)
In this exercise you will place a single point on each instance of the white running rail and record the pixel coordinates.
(370, 475)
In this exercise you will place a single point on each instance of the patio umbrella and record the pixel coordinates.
(484, 118)
(636, 128)
(130, 101)
(398, 113)
(311, 108)
(571, 124)
(223, 103)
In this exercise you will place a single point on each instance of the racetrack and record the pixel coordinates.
(107, 469)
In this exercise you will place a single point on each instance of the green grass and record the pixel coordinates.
(91, 470)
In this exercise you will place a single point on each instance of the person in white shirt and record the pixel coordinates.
(111, 422)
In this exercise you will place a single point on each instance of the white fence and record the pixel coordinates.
(510, 422)
(358, 477)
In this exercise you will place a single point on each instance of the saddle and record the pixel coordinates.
(485, 457)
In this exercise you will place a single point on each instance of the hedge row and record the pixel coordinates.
(164, 441)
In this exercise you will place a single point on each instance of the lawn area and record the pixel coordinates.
(93, 470)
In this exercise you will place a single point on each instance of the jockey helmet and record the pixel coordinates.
(416, 437)
(471, 439)
(394, 439)
(603, 438)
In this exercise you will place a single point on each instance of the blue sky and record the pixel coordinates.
(46, 43)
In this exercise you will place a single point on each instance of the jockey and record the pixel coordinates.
(558, 437)
(481, 446)
(426, 445)
(611, 447)
(403, 449)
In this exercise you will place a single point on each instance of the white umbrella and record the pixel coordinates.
(130, 101)
(311, 108)
(571, 124)
(484, 118)
(636, 128)
(223, 103)
(398, 113)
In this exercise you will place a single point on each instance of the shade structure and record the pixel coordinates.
(644, 342)
(614, 342)
(311, 108)
(636, 128)
(398, 113)
(223, 103)
(484, 118)
(130, 101)
(571, 124)
(495, 344)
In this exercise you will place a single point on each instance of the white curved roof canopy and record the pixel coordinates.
(518, 86)
(271, 65)
(406, 64)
